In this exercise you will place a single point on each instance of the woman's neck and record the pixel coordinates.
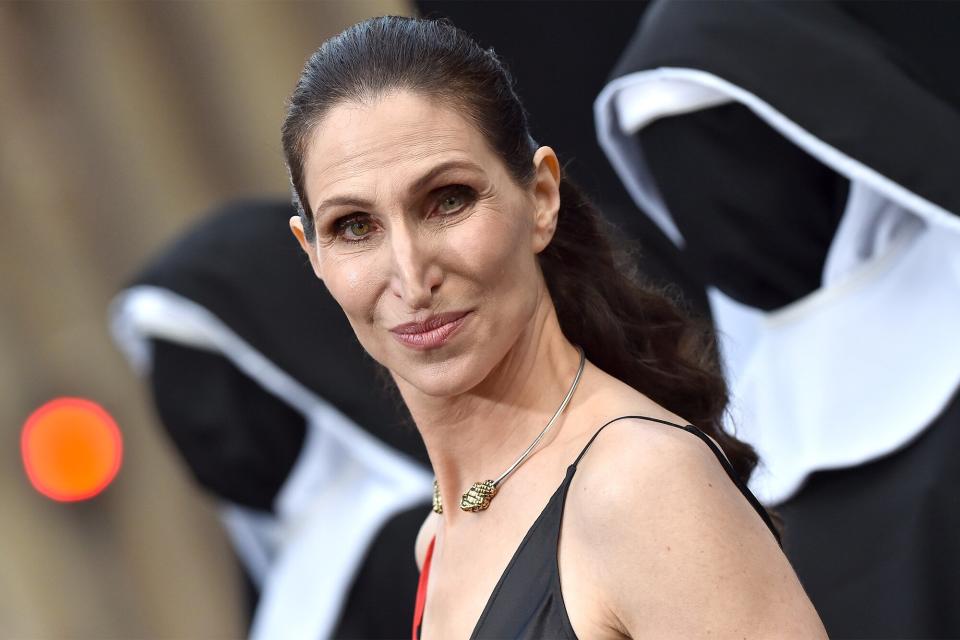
(477, 435)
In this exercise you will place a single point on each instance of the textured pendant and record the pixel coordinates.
(437, 500)
(479, 496)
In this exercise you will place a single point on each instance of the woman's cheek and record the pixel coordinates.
(352, 284)
(353, 281)
(491, 247)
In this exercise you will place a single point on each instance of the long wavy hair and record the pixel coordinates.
(630, 330)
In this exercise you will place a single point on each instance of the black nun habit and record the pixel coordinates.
(276, 409)
(805, 157)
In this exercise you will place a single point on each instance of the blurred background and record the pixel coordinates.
(120, 124)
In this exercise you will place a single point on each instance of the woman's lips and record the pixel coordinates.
(432, 332)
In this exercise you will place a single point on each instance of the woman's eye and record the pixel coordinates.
(451, 203)
(354, 229)
(359, 229)
(453, 200)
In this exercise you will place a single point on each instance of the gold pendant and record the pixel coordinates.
(479, 496)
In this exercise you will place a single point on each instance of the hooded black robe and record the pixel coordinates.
(279, 413)
(805, 156)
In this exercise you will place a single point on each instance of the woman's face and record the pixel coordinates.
(424, 239)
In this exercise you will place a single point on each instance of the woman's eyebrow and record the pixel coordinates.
(349, 201)
(415, 186)
(424, 180)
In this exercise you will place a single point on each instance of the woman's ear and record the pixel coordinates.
(546, 192)
(296, 226)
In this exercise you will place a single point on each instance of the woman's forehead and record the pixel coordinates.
(396, 138)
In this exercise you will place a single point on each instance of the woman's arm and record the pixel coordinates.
(674, 547)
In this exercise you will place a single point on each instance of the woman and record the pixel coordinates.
(475, 274)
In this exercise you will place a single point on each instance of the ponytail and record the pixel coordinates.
(630, 329)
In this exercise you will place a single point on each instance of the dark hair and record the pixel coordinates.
(632, 331)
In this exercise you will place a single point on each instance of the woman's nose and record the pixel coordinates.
(415, 275)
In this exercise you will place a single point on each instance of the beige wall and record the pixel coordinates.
(120, 123)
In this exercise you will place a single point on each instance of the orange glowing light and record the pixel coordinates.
(71, 449)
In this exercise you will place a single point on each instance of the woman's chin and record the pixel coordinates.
(440, 377)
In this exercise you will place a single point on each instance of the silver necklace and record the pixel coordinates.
(479, 495)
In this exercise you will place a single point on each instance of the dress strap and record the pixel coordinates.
(672, 424)
(422, 590)
(724, 462)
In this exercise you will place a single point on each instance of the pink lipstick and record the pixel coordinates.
(430, 333)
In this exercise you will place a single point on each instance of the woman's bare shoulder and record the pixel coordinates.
(636, 464)
(427, 530)
(653, 511)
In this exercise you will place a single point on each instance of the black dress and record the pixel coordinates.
(527, 601)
